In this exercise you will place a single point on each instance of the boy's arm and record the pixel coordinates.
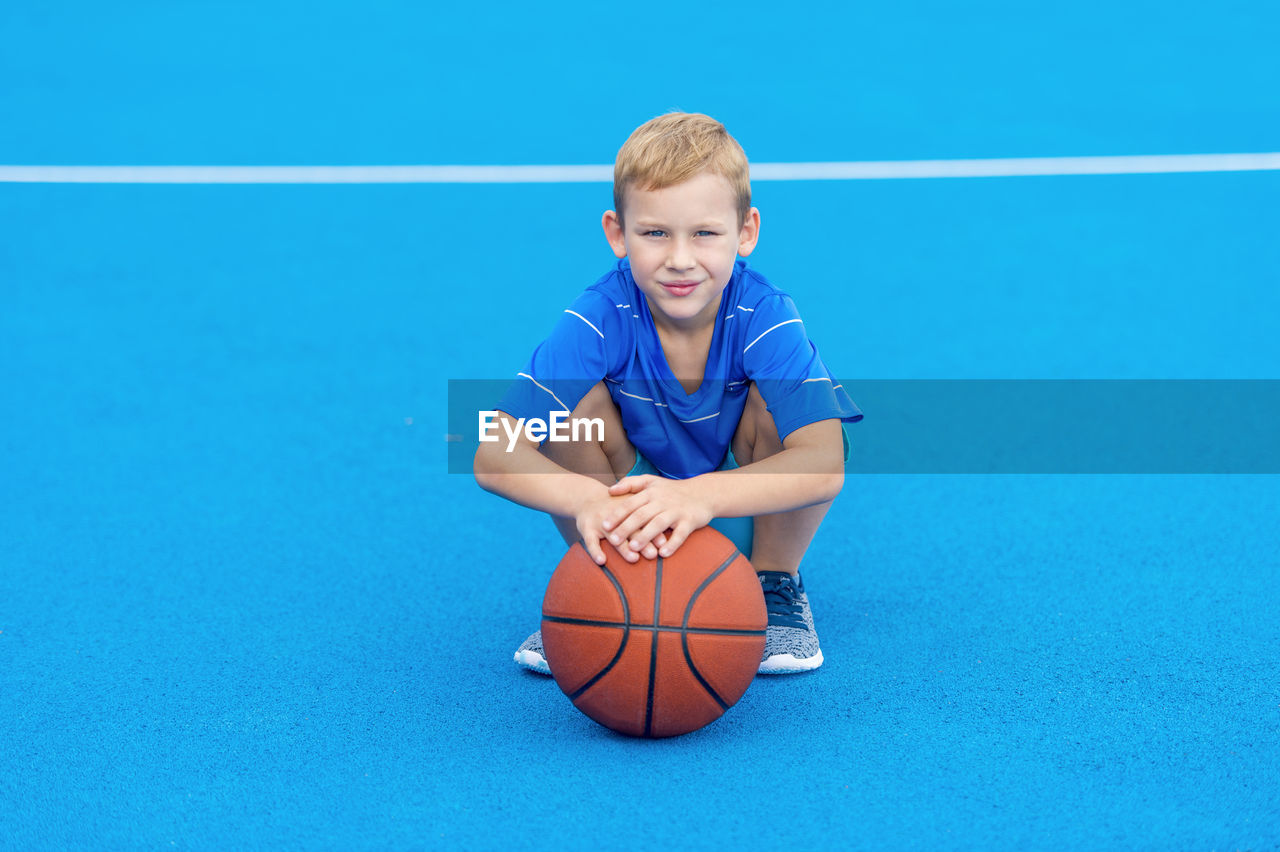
(525, 476)
(808, 470)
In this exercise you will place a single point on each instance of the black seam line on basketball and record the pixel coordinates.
(622, 646)
(653, 647)
(684, 633)
(661, 628)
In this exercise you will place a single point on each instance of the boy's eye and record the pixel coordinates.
(658, 232)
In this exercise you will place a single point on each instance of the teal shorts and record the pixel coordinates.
(738, 530)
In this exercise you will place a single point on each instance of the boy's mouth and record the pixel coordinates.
(679, 288)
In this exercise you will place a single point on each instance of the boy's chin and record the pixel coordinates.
(681, 310)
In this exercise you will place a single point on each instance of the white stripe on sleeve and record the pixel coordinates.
(779, 325)
(545, 388)
(587, 321)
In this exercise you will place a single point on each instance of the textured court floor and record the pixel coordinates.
(243, 603)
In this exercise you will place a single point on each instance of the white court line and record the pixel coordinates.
(869, 170)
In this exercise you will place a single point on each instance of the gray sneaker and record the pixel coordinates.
(529, 655)
(790, 643)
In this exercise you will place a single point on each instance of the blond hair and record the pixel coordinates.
(673, 148)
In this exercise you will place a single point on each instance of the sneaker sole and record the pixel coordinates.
(532, 661)
(777, 664)
(789, 664)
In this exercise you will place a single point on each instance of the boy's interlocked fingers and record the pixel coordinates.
(668, 511)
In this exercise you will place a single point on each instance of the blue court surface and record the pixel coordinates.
(244, 604)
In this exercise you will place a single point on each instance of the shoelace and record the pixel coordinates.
(782, 600)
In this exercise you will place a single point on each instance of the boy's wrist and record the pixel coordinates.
(704, 491)
(583, 492)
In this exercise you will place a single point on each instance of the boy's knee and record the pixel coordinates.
(597, 403)
(601, 439)
(757, 435)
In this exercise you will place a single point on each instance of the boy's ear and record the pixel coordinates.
(750, 233)
(613, 233)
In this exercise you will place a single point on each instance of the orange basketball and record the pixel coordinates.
(660, 647)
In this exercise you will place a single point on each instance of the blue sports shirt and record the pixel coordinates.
(608, 334)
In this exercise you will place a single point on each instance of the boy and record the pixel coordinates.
(716, 407)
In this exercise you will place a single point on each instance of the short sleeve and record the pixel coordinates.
(565, 366)
(785, 366)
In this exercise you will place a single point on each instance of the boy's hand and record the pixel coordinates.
(600, 515)
(597, 518)
(650, 506)
(593, 521)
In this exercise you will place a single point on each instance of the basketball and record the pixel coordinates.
(660, 647)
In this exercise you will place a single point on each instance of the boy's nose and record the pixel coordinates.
(681, 255)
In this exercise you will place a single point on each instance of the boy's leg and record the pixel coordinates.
(780, 539)
(608, 460)
(778, 544)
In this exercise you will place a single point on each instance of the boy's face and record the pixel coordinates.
(682, 241)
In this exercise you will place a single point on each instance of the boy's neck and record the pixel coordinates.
(687, 345)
